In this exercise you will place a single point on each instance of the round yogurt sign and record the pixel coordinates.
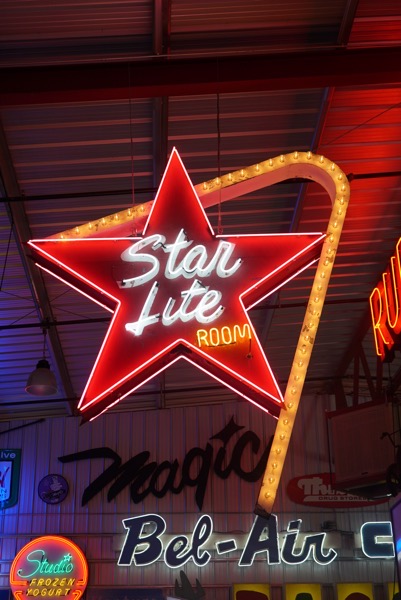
(49, 566)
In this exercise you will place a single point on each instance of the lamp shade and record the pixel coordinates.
(42, 381)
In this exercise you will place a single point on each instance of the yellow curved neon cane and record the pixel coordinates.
(331, 177)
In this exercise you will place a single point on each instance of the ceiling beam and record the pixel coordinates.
(347, 22)
(17, 216)
(169, 75)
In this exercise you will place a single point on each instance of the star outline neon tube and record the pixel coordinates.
(228, 277)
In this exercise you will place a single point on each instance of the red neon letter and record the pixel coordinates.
(391, 286)
(383, 339)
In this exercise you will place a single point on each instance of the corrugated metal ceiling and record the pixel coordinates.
(77, 161)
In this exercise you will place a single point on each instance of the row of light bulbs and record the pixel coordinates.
(264, 167)
(307, 336)
(106, 224)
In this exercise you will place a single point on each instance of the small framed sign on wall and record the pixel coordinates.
(10, 462)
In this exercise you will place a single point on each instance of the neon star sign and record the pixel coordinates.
(175, 280)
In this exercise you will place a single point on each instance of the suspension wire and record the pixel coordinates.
(28, 314)
(383, 112)
(131, 136)
(7, 253)
(44, 341)
(82, 320)
(219, 225)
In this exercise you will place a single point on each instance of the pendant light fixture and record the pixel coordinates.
(42, 381)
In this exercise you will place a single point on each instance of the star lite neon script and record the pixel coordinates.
(178, 292)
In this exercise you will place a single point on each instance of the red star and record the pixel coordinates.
(179, 292)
